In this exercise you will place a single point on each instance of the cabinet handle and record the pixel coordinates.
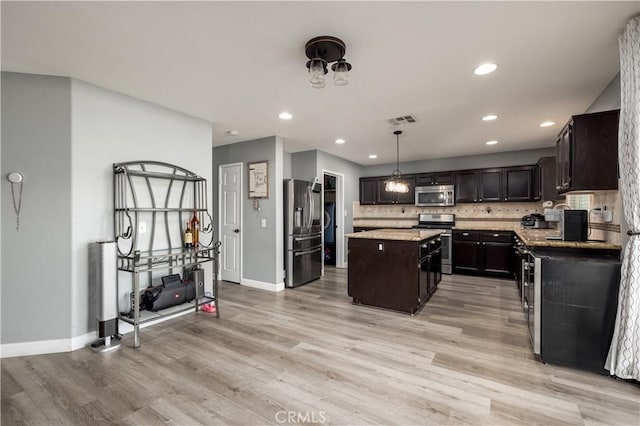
(480, 199)
(496, 235)
(505, 198)
(478, 243)
(465, 234)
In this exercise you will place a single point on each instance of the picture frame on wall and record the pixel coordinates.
(258, 179)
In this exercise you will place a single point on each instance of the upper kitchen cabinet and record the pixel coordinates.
(495, 185)
(368, 191)
(587, 153)
(466, 187)
(385, 197)
(372, 192)
(439, 178)
(490, 185)
(519, 183)
(545, 180)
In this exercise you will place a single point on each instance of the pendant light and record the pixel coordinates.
(395, 183)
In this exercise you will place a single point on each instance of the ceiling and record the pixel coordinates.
(239, 64)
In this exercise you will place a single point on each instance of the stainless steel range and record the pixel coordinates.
(444, 222)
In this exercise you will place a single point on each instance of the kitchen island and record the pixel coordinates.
(396, 269)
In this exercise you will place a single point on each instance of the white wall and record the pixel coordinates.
(107, 128)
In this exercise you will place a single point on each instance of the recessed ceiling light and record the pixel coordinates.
(491, 142)
(547, 123)
(340, 141)
(485, 69)
(285, 115)
(373, 156)
(489, 117)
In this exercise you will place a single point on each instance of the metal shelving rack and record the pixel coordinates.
(166, 196)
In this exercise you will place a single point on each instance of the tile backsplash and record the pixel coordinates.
(507, 214)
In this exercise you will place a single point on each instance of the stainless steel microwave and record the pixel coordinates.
(437, 195)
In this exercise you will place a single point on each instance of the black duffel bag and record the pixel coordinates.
(172, 292)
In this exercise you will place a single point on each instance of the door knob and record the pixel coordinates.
(236, 231)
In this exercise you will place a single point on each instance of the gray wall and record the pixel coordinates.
(304, 165)
(501, 159)
(286, 165)
(609, 98)
(64, 135)
(261, 258)
(352, 173)
(36, 261)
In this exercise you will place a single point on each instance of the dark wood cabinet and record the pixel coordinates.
(393, 274)
(465, 187)
(519, 183)
(545, 180)
(587, 153)
(497, 253)
(483, 252)
(471, 186)
(368, 191)
(490, 185)
(384, 197)
(372, 192)
(466, 251)
(438, 178)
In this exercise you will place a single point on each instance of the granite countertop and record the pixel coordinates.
(538, 238)
(530, 237)
(397, 234)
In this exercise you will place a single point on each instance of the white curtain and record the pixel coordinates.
(624, 353)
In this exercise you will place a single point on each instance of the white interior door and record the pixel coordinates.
(230, 195)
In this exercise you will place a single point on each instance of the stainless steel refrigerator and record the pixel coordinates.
(302, 232)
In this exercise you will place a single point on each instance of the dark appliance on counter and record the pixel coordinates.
(534, 221)
(444, 222)
(302, 232)
(434, 196)
(574, 225)
(570, 306)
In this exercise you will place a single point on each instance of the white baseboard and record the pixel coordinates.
(10, 350)
(262, 285)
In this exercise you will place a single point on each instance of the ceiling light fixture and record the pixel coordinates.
(547, 123)
(489, 117)
(340, 141)
(285, 115)
(373, 156)
(395, 183)
(491, 142)
(322, 51)
(484, 69)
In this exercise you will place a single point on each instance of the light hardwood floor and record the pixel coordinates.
(309, 354)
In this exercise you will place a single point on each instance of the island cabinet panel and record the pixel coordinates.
(384, 273)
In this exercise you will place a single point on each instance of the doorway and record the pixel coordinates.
(230, 221)
(333, 218)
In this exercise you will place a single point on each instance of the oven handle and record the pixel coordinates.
(302, 253)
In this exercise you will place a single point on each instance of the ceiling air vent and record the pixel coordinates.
(403, 119)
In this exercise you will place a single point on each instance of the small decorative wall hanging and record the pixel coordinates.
(258, 179)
